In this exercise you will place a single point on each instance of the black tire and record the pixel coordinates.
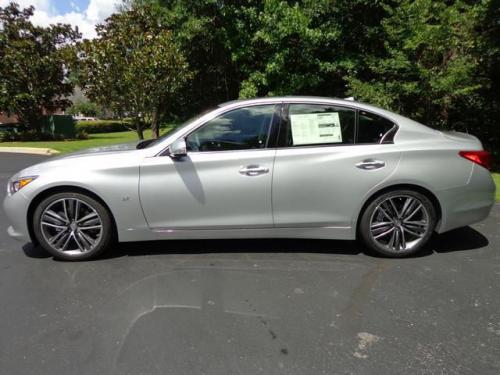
(104, 235)
(398, 197)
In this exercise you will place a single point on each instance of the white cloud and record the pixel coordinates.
(85, 26)
(86, 20)
(98, 10)
(43, 5)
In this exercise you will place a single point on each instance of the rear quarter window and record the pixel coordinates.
(374, 129)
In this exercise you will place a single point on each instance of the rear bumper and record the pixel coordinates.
(467, 204)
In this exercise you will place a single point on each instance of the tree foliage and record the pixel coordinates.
(434, 61)
(84, 108)
(33, 66)
(134, 67)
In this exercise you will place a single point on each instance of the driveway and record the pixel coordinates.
(251, 306)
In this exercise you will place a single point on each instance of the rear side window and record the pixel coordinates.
(374, 129)
(314, 124)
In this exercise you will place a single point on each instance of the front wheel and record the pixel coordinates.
(72, 226)
(398, 223)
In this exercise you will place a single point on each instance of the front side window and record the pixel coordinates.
(373, 128)
(314, 124)
(240, 129)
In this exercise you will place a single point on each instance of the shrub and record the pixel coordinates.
(104, 126)
(81, 134)
(29, 135)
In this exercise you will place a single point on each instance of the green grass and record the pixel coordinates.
(496, 177)
(95, 140)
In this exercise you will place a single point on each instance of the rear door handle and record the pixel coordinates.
(370, 164)
(253, 170)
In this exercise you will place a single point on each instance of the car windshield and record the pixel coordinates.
(153, 142)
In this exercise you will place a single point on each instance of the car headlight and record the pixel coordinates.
(17, 184)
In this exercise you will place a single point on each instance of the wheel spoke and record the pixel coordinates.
(395, 210)
(393, 239)
(56, 237)
(416, 224)
(381, 224)
(60, 239)
(384, 212)
(87, 238)
(92, 215)
(54, 225)
(415, 210)
(77, 209)
(419, 235)
(65, 208)
(407, 206)
(391, 230)
(90, 227)
(80, 246)
(56, 216)
(402, 238)
(380, 230)
(67, 241)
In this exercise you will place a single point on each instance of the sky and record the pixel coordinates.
(82, 13)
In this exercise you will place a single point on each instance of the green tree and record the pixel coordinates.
(33, 66)
(199, 28)
(134, 67)
(428, 69)
(257, 48)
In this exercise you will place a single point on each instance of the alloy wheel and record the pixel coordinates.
(399, 223)
(71, 226)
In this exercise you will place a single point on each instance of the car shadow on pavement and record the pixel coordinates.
(461, 239)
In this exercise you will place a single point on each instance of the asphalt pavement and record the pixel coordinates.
(251, 306)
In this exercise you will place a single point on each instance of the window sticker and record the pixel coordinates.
(316, 128)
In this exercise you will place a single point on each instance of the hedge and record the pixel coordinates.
(104, 126)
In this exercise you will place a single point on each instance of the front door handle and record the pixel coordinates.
(370, 164)
(253, 170)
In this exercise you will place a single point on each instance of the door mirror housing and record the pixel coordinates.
(178, 149)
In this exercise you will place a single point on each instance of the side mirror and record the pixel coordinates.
(178, 149)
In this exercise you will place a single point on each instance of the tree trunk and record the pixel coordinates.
(154, 125)
(138, 126)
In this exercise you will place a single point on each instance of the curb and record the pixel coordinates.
(29, 150)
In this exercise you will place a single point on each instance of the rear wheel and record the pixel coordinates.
(72, 226)
(398, 223)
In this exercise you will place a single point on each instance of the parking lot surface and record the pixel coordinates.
(251, 306)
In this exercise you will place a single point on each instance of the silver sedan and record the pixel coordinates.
(291, 167)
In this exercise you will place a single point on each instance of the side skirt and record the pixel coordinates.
(333, 233)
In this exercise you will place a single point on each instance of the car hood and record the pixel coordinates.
(103, 149)
(91, 157)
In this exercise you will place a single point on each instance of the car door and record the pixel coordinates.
(325, 167)
(224, 181)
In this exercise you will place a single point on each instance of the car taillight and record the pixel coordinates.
(483, 158)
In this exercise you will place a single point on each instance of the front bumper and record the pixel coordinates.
(16, 209)
(17, 235)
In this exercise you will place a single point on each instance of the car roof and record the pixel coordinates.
(273, 99)
(350, 102)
